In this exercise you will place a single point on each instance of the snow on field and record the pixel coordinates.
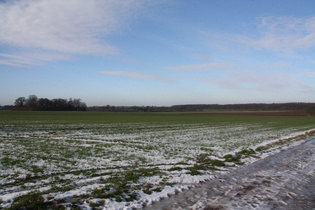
(284, 180)
(86, 161)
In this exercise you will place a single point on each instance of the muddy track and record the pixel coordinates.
(285, 180)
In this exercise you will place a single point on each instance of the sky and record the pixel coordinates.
(158, 53)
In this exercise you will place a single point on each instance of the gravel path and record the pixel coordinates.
(285, 180)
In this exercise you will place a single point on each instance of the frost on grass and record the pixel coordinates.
(118, 165)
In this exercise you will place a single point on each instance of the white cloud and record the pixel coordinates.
(29, 59)
(254, 80)
(308, 74)
(139, 75)
(283, 34)
(199, 67)
(71, 26)
(224, 75)
(14, 60)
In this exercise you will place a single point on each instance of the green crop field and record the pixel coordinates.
(101, 159)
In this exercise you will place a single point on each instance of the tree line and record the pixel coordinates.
(308, 108)
(245, 107)
(109, 108)
(58, 104)
(45, 104)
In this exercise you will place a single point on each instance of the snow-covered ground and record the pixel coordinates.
(285, 180)
(68, 163)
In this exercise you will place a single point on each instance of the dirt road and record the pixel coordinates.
(285, 180)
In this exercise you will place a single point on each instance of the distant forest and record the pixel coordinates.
(58, 104)
(33, 103)
(245, 107)
(297, 107)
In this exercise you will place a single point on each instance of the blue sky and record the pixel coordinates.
(167, 52)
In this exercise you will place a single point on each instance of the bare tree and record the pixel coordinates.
(31, 102)
(310, 109)
(20, 102)
(44, 104)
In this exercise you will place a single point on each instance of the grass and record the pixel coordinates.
(203, 162)
(22, 117)
(34, 200)
(118, 156)
(122, 186)
(30, 201)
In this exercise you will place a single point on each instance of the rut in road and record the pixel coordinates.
(285, 180)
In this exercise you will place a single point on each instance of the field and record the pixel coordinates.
(99, 159)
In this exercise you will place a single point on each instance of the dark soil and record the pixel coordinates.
(259, 113)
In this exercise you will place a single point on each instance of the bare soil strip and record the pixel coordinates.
(285, 180)
(257, 113)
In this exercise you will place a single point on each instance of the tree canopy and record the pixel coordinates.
(45, 104)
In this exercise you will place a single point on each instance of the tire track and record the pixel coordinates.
(285, 180)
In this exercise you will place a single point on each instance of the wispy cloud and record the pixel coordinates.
(308, 74)
(14, 60)
(29, 59)
(283, 34)
(139, 75)
(254, 80)
(199, 67)
(71, 27)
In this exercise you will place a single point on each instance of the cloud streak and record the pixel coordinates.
(308, 74)
(199, 67)
(283, 34)
(26, 60)
(13, 60)
(139, 75)
(254, 80)
(58, 26)
(226, 76)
